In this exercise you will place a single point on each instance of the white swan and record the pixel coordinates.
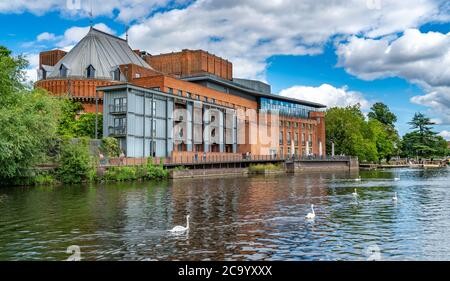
(311, 216)
(180, 228)
(355, 193)
(395, 197)
(396, 179)
(358, 179)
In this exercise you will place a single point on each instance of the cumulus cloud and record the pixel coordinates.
(445, 135)
(74, 34)
(328, 95)
(128, 10)
(31, 71)
(46, 36)
(251, 31)
(420, 58)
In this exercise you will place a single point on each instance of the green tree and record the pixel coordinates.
(423, 141)
(381, 112)
(75, 124)
(388, 140)
(28, 120)
(74, 165)
(347, 128)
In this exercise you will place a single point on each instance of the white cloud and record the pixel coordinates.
(445, 134)
(74, 34)
(420, 58)
(31, 71)
(127, 9)
(46, 36)
(251, 31)
(327, 95)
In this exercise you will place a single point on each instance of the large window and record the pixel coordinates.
(287, 108)
(120, 105)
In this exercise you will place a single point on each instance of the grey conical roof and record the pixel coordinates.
(103, 51)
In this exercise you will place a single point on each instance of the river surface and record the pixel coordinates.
(236, 218)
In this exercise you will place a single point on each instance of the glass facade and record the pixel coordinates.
(287, 108)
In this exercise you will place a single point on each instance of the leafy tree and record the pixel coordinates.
(74, 162)
(75, 124)
(28, 120)
(381, 112)
(423, 141)
(346, 127)
(388, 141)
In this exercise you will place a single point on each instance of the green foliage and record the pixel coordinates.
(155, 171)
(382, 113)
(74, 162)
(258, 168)
(44, 178)
(75, 124)
(85, 125)
(130, 173)
(180, 168)
(121, 173)
(371, 140)
(110, 147)
(28, 120)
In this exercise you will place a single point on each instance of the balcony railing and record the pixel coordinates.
(118, 131)
(118, 109)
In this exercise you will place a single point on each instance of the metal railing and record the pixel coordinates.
(118, 131)
(219, 159)
(118, 109)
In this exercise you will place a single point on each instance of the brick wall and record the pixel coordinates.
(51, 57)
(191, 62)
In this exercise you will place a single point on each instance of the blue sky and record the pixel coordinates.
(331, 53)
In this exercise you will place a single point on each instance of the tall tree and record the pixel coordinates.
(423, 141)
(388, 140)
(28, 119)
(381, 112)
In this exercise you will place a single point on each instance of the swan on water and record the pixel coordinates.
(311, 216)
(396, 179)
(395, 197)
(358, 179)
(355, 193)
(180, 228)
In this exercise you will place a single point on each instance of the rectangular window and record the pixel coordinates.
(170, 90)
(180, 93)
(153, 128)
(303, 139)
(289, 137)
(188, 94)
(120, 105)
(154, 108)
(281, 137)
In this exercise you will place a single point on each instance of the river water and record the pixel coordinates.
(236, 218)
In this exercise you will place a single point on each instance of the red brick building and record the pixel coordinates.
(101, 59)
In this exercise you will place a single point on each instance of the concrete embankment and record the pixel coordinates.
(306, 166)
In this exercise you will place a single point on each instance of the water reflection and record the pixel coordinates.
(258, 218)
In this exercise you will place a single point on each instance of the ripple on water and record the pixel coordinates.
(234, 219)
